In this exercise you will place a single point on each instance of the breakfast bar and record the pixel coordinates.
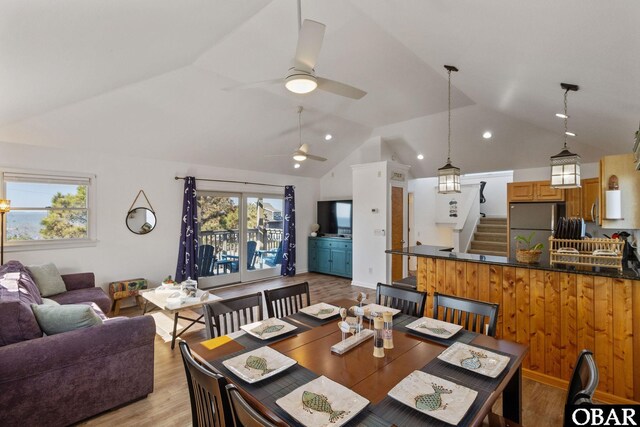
(556, 311)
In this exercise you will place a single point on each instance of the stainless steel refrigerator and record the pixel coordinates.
(540, 218)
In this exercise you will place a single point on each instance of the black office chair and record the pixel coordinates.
(475, 316)
(225, 316)
(285, 301)
(407, 301)
(244, 415)
(209, 400)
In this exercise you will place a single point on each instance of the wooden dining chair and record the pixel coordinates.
(285, 301)
(244, 415)
(225, 316)
(407, 301)
(473, 315)
(209, 400)
(582, 386)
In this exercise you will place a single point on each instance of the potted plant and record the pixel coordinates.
(529, 254)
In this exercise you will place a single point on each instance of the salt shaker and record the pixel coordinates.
(378, 341)
(387, 331)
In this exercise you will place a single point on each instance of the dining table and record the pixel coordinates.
(368, 376)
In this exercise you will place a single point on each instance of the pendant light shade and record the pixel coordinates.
(565, 166)
(449, 175)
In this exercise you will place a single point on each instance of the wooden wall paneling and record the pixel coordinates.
(522, 313)
(484, 285)
(603, 306)
(586, 316)
(552, 325)
(461, 285)
(509, 326)
(450, 278)
(422, 279)
(431, 285)
(472, 281)
(495, 294)
(623, 354)
(441, 277)
(636, 340)
(537, 348)
(568, 323)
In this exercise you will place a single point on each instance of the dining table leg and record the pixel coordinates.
(512, 398)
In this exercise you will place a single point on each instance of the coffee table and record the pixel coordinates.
(159, 300)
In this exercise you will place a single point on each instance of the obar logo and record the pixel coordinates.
(602, 415)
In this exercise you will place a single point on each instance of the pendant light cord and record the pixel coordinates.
(566, 118)
(299, 127)
(449, 137)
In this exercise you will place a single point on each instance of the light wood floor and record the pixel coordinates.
(169, 404)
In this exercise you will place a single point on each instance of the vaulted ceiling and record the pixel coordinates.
(149, 78)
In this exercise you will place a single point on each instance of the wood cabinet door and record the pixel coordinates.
(544, 191)
(573, 197)
(520, 191)
(590, 193)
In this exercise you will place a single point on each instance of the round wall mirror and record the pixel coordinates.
(141, 220)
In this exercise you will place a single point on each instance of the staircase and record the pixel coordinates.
(490, 237)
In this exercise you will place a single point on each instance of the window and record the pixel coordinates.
(48, 208)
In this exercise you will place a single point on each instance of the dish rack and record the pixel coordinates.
(596, 252)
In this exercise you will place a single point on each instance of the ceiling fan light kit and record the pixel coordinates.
(300, 82)
(449, 175)
(565, 166)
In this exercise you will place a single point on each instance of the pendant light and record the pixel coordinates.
(565, 166)
(449, 175)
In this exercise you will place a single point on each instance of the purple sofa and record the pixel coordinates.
(61, 379)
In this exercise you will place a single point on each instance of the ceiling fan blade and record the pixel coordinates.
(318, 158)
(278, 155)
(252, 85)
(341, 89)
(309, 43)
(304, 148)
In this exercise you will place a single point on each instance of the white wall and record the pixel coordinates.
(424, 201)
(120, 254)
(587, 170)
(495, 191)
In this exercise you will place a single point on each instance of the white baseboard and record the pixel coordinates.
(364, 284)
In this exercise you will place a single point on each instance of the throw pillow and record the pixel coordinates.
(48, 301)
(56, 319)
(48, 279)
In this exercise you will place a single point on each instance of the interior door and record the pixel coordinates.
(397, 231)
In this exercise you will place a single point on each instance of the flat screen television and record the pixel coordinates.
(335, 217)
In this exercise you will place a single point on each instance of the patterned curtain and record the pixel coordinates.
(188, 253)
(289, 241)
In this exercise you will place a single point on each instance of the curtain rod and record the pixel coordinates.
(233, 182)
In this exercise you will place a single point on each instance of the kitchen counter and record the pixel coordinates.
(555, 311)
(444, 252)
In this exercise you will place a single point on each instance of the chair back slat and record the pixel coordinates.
(209, 400)
(245, 415)
(471, 314)
(226, 316)
(584, 379)
(407, 301)
(286, 301)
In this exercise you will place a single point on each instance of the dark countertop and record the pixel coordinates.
(443, 252)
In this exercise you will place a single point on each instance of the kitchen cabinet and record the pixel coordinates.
(573, 197)
(590, 191)
(533, 191)
(330, 255)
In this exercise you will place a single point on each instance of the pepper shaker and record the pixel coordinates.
(378, 341)
(387, 332)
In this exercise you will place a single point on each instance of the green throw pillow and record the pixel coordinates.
(48, 279)
(56, 319)
(47, 301)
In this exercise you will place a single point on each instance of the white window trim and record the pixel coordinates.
(92, 231)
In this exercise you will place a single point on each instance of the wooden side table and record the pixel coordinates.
(125, 289)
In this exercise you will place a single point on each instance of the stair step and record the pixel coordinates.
(492, 228)
(493, 220)
(489, 246)
(490, 237)
(483, 252)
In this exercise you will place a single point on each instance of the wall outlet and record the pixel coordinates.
(378, 232)
(374, 210)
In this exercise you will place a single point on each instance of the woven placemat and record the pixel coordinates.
(312, 321)
(463, 336)
(250, 342)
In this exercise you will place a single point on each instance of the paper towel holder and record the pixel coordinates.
(613, 212)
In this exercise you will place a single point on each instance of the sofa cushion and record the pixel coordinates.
(56, 319)
(13, 274)
(78, 296)
(48, 279)
(47, 301)
(17, 293)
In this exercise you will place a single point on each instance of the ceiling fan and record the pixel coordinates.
(301, 77)
(302, 153)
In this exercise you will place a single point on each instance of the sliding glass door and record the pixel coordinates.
(239, 236)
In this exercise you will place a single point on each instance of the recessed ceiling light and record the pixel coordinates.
(328, 137)
(420, 157)
(297, 166)
(487, 135)
(570, 133)
(562, 115)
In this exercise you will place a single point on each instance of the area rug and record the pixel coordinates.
(164, 323)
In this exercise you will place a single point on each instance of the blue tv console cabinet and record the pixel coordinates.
(330, 255)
